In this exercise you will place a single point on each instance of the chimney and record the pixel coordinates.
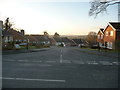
(22, 32)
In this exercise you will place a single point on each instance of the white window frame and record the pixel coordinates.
(111, 44)
(101, 36)
(98, 36)
(111, 33)
(6, 39)
(106, 33)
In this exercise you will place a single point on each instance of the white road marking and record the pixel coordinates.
(116, 63)
(61, 50)
(10, 60)
(66, 61)
(28, 79)
(105, 63)
(78, 62)
(50, 61)
(36, 61)
(21, 60)
(61, 58)
(91, 62)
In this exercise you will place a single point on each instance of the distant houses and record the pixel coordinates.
(109, 37)
(37, 40)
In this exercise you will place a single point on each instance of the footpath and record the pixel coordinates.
(6, 52)
(103, 53)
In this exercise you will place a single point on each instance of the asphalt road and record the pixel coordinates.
(59, 67)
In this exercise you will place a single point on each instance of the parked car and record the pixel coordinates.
(94, 46)
(84, 45)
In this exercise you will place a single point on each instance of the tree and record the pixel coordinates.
(100, 6)
(91, 38)
(46, 33)
(7, 24)
(56, 35)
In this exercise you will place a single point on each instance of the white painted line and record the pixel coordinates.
(78, 62)
(105, 63)
(66, 61)
(21, 60)
(28, 79)
(116, 63)
(10, 60)
(51, 61)
(61, 50)
(92, 62)
(61, 58)
(36, 61)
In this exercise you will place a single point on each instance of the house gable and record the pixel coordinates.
(100, 35)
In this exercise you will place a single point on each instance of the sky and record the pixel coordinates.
(66, 17)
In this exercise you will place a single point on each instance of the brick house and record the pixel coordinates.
(13, 37)
(32, 40)
(18, 37)
(111, 35)
(100, 37)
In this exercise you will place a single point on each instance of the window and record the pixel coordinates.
(111, 33)
(101, 36)
(106, 33)
(6, 39)
(110, 46)
(98, 36)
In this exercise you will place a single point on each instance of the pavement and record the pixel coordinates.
(103, 53)
(59, 67)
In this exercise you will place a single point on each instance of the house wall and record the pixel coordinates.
(108, 38)
(7, 39)
(99, 39)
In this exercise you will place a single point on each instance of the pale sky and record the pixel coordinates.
(67, 17)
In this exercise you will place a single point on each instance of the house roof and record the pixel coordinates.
(78, 41)
(101, 30)
(6, 33)
(52, 39)
(58, 39)
(65, 39)
(61, 39)
(31, 38)
(115, 25)
(40, 37)
(17, 35)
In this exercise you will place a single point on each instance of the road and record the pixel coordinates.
(59, 67)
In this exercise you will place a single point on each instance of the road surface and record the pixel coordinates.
(59, 67)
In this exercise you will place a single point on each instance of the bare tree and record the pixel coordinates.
(45, 33)
(100, 6)
(91, 38)
(7, 24)
(56, 35)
